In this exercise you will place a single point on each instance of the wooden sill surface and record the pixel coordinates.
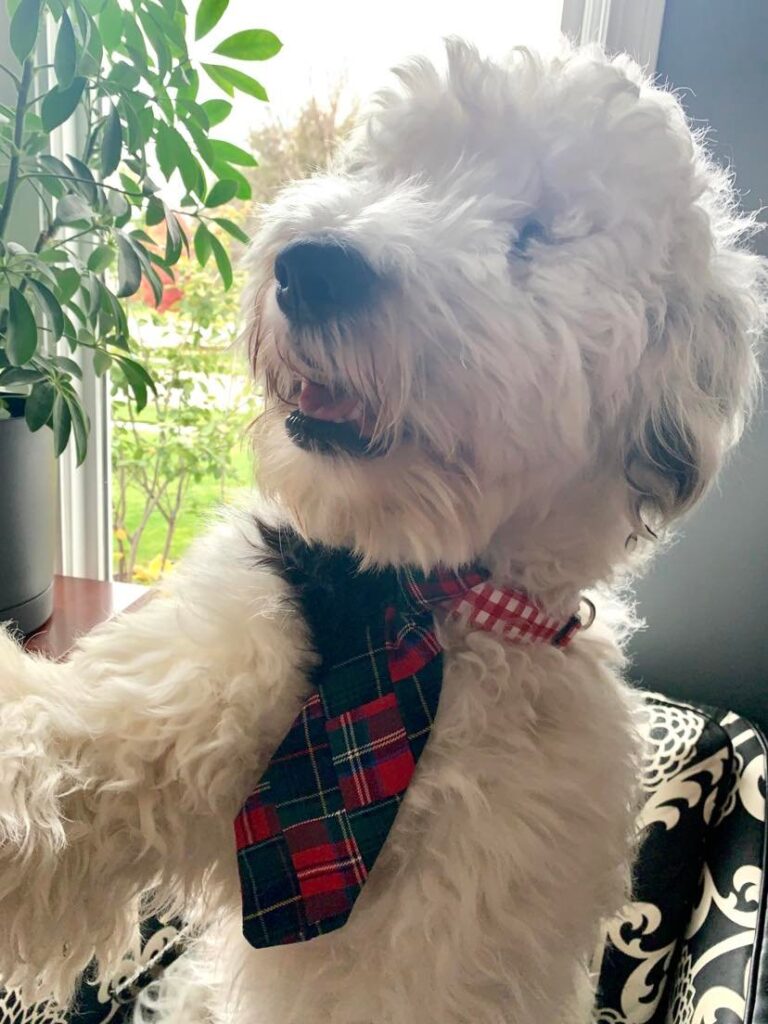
(78, 606)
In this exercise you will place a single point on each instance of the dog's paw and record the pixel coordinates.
(30, 776)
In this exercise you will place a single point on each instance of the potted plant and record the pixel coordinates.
(122, 73)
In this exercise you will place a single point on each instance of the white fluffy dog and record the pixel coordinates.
(524, 334)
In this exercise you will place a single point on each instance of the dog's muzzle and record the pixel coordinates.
(319, 281)
(322, 279)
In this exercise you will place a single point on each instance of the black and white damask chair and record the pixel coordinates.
(692, 947)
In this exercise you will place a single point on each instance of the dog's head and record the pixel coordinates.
(520, 290)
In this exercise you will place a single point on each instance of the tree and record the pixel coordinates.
(195, 416)
(294, 151)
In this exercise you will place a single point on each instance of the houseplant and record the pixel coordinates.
(121, 75)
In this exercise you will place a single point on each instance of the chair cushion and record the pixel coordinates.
(687, 949)
(158, 945)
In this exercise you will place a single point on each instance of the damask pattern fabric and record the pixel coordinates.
(112, 1001)
(688, 949)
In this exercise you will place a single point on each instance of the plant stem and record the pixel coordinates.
(10, 74)
(81, 181)
(18, 135)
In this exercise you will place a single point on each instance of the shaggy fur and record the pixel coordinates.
(561, 357)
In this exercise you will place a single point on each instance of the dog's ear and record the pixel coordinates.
(696, 381)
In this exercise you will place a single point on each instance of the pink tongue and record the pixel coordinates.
(319, 402)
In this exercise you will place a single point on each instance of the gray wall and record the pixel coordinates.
(706, 600)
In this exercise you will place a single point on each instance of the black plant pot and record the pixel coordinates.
(27, 523)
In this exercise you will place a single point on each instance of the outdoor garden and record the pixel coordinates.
(188, 451)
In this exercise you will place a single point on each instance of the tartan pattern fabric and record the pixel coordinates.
(309, 834)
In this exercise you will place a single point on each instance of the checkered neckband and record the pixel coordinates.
(310, 832)
(513, 615)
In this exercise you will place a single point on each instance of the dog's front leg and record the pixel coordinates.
(121, 769)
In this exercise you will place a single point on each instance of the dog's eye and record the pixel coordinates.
(530, 231)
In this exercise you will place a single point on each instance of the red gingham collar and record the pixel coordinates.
(511, 613)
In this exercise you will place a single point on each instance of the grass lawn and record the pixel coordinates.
(202, 499)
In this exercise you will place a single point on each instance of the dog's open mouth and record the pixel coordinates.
(330, 420)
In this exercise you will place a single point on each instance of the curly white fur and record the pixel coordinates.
(564, 354)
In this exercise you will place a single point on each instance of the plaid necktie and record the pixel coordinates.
(309, 834)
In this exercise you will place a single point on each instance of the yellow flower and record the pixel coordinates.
(152, 571)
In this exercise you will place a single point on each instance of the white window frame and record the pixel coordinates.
(84, 546)
(85, 492)
(629, 26)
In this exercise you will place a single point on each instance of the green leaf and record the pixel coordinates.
(39, 405)
(138, 379)
(224, 170)
(171, 27)
(201, 140)
(214, 72)
(111, 143)
(62, 423)
(101, 257)
(83, 21)
(174, 228)
(193, 111)
(232, 154)
(128, 268)
(18, 376)
(86, 186)
(155, 212)
(233, 229)
(221, 193)
(230, 79)
(73, 209)
(65, 55)
(50, 304)
(59, 105)
(25, 24)
(143, 236)
(175, 239)
(54, 165)
(216, 111)
(191, 171)
(252, 44)
(123, 76)
(165, 150)
(149, 272)
(101, 362)
(202, 244)
(68, 283)
(173, 151)
(94, 51)
(222, 262)
(134, 41)
(118, 207)
(54, 255)
(21, 342)
(69, 366)
(208, 16)
(80, 426)
(111, 25)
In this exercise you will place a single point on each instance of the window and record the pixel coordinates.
(163, 471)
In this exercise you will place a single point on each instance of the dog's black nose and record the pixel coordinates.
(321, 279)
